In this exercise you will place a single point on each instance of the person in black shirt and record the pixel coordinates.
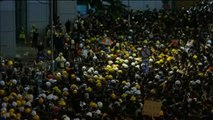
(68, 25)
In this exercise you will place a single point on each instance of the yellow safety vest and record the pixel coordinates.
(22, 35)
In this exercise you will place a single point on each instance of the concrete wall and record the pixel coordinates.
(66, 9)
(7, 28)
(38, 13)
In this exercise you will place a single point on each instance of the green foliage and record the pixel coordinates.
(115, 8)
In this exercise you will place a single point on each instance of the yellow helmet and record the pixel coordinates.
(65, 93)
(113, 96)
(5, 99)
(40, 100)
(27, 110)
(75, 91)
(161, 113)
(49, 52)
(98, 84)
(2, 92)
(89, 89)
(11, 110)
(133, 98)
(18, 103)
(62, 103)
(195, 56)
(93, 104)
(36, 117)
(10, 62)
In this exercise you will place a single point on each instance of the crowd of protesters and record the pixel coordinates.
(105, 68)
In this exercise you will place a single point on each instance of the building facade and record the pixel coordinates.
(19, 15)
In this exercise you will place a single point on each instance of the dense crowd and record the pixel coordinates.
(105, 68)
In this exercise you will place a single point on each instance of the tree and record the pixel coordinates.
(94, 4)
(116, 8)
(166, 4)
